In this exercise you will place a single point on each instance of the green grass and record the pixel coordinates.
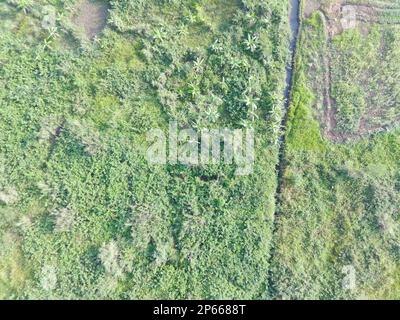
(339, 205)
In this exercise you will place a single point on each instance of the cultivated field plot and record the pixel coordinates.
(337, 234)
(356, 67)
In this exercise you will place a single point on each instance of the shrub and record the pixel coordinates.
(109, 256)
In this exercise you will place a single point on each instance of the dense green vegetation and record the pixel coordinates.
(82, 213)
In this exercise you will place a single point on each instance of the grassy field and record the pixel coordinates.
(338, 225)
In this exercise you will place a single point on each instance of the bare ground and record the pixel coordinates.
(311, 6)
(91, 16)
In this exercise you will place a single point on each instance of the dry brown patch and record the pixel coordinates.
(311, 6)
(343, 17)
(91, 16)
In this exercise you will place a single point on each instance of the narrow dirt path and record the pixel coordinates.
(330, 107)
(294, 17)
(295, 20)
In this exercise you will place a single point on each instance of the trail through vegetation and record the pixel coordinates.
(294, 22)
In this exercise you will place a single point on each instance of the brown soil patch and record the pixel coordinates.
(311, 6)
(341, 16)
(91, 16)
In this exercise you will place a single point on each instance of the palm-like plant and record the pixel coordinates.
(235, 63)
(193, 89)
(198, 65)
(159, 35)
(25, 5)
(251, 43)
(251, 103)
(182, 30)
(217, 47)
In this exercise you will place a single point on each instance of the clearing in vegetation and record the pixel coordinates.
(91, 16)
